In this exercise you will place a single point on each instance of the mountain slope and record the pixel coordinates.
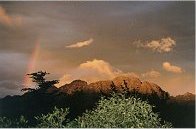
(80, 96)
(185, 98)
(120, 82)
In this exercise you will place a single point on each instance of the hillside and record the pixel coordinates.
(119, 83)
(80, 96)
(187, 98)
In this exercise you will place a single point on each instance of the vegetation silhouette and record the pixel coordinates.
(45, 96)
(116, 111)
(39, 79)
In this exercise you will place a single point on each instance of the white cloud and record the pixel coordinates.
(80, 44)
(94, 70)
(99, 66)
(66, 78)
(91, 71)
(7, 19)
(172, 68)
(162, 45)
(151, 74)
(132, 74)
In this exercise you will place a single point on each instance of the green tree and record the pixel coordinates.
(39, 79)
(117, 111)
(54, 119)
(13, 123)
(120, 112)
(5, 122)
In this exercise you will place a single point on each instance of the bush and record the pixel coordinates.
(5, 123)
(8, 123)
(54, 119)
(117, 111)
(120, 112)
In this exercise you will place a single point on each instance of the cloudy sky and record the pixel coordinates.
(98, 40)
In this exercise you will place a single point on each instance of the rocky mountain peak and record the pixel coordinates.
(78, 83)
(130, 82)
(73, 86)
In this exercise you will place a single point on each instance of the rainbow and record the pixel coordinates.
(31, 65)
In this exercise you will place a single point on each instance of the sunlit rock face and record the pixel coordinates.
(150, 88)
(73, 86)
(100, 86)
(129, 81)
(120, 82)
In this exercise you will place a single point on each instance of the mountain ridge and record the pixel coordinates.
(120, 82)
(80, 96)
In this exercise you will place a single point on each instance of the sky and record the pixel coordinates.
(154, 41)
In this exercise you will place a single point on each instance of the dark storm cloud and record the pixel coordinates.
(10, 88)
(69, 21)
(113, 26)
(6, 91)
(10, 85)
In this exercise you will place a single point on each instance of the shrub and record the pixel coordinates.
(120, 112)
(117, 111)
(9, 123)
(5, 122)
(54, 119)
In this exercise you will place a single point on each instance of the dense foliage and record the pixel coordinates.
(88, 109)
(114, 112)
(13, 123)
(121, 112)
(39, 79)
(54, 119)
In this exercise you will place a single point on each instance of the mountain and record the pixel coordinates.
(73, 86)
(180, 110)
(187, 98)
(80, 96)
(120, 82)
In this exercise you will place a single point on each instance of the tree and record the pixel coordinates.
(121, 112)
(54, 119)
(39, 79)
(13, 123)
(117, 111)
